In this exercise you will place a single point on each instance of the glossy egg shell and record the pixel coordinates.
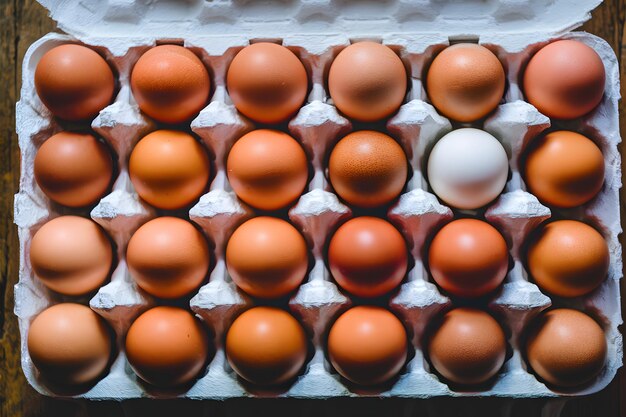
(73, 169)
(70, 344)
(266, 346)
(367, 256)
(74, 82)
(367, 345)
(71, 255)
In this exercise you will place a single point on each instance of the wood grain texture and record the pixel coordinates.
(24, 21)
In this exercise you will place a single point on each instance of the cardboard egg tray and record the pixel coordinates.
(316, 30)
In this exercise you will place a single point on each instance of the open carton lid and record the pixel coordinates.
(173, 19)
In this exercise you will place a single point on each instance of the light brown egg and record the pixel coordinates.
(367, 345)
(267, 169)
(266, 346)
(74, 82)
(367, 169)
(267, 82)
(73, 169)
(566, 348)
(167, 346)
(465, 82)
(468, 258)
(170, 84)
(69, 344)
(567, 258)
(468, 347)
(367, 256)
(565, 79)
(267, 257)
(168, 257)
(169, 169)
(564, 169)
(367, 81)
(71, 255)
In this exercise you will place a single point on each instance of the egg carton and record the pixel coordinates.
(316, 31)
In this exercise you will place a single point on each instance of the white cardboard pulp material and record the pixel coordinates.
(316, 30)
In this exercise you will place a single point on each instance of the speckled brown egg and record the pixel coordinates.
(468, 258)
(564, 169)
(566, 348)
(71, 255)
(367, 81)
(565, 79)
(468, 347)
(267, 257)
(73, 169)
(74, 82)
(465, 82)
(69, 344)
(266, 346)
(267, 169)
(167, 346)
(267, 82)
(367, 169)
(567, 258)
(168, 257)
(169, 169)
(170, 84)
(367, 256)
(367, 345)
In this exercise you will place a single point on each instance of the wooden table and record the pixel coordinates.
(24, 21)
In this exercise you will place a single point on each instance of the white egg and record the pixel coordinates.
(468, 168)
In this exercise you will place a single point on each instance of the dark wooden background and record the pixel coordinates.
(24, 21)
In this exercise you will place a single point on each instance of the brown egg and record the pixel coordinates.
(267, 257)
(367, 169)
(266, 346)
(566, 348)
(167, 346)
(367, 81)
(367, 345)
(267, 169)
(69, 344)
(169, 169)
(367, 256)
(168, 257)
(465, 82)
(74, 82)
(267, 82)
(170, 84)
(565, 79)
(468, 258)
(73, 169)
(564, 169)
(468, 347)
(71, 255)
(567, 258)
